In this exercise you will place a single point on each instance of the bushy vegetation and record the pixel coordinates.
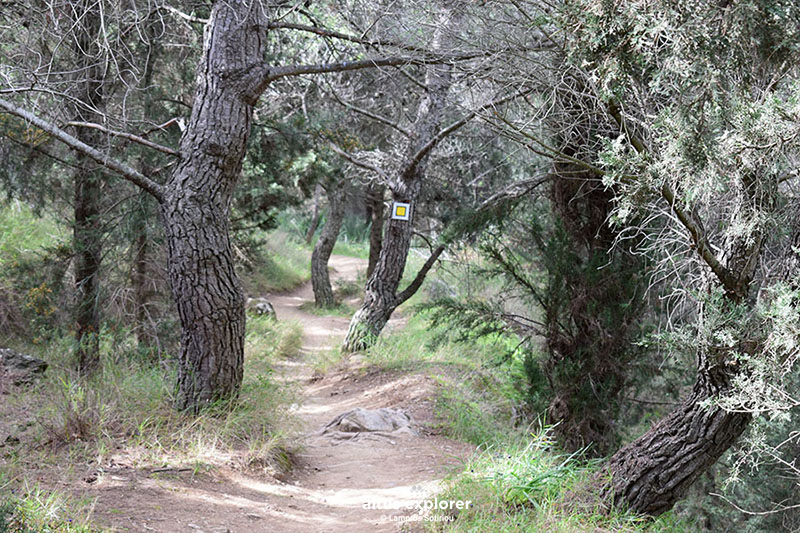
(126, 414)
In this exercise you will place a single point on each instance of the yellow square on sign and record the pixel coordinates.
(401, 210)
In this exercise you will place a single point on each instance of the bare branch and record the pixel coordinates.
(184, 16)
(514, 190)
(417, 283)
(124, 135)
(343, 36)
(436, 139)
(370, 114)
(359, 163)
(262, 75)
(130, 174)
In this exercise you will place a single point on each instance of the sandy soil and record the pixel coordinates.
(364, 484)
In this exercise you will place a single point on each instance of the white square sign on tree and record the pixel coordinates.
(401, 211)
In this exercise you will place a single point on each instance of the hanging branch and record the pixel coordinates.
(130, 174)
(124, 135)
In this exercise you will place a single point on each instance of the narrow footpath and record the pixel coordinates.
(361, 484)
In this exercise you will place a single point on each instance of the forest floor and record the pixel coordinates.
(359, 484)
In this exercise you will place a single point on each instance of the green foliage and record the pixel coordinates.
(525, 485)
(36, 510)
(33, 263)
(280, 169)
(572, 306)
(275, 261)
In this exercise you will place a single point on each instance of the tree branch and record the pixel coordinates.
(688, 220)
(122, 169)
(414, 286)
(184, 16)
(358, 162)
(370, 114)
(124, 135)
(436, 139)
(260, 76)
(342, 36)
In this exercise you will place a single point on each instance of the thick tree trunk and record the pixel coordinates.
(88, 254)
(196, 204)
(87, 240)
(312, 228)
(653, 472)
(375, 195)
(142, 278)
(320, 280)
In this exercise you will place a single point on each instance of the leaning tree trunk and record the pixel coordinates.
(375, 195)
(312, 228)
(87, 236)
(196, 205)
(380, 294)
(653, 472)
(320, 280)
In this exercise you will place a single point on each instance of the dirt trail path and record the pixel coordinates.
(353, 485)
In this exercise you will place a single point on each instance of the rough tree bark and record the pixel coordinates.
(320, 280)
(375, 194)
(196, 206)
(380, 295)
(87, 240)
(312, 228)
(653, 472)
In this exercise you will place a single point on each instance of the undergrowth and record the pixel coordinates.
(125, 416)
(521, 486)
(275, 261)
(518, 479)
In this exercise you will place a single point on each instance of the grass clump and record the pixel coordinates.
(35, 510)
(125, 416)
(522, 484)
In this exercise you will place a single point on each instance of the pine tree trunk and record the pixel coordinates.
(380, 294)
(196, 205)
(320, 280)
(87, 240)
(312, 228)
(652, 473)
(142, 278)
(375, 195)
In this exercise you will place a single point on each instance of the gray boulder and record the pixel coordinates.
(360, 422)
(19, 368)
(260, 306)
